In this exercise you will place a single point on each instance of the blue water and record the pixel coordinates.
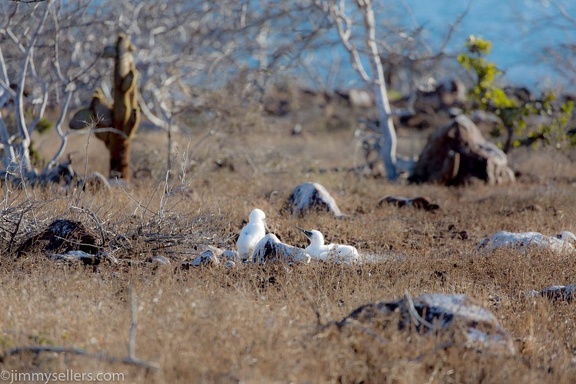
(520, 30)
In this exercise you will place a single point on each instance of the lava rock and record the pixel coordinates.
(207, 258)
(271, 249)
(557, 292)
(457, 154)
(436, 313)
(62, 236)
(311, 197)
(420, 202)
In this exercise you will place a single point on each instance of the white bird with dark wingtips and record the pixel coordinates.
(251, 234)
(339, 253)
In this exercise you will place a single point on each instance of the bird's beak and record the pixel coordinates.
(307, 233)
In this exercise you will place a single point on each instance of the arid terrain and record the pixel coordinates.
(275, 323)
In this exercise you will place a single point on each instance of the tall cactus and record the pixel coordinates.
(123, 115)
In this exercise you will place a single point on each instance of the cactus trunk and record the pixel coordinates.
(123, 115)
(119, 157)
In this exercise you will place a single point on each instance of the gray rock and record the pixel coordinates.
(420, 202)
(207, 258)
(81, 256)
(438, 313)
(159, 260)
(523, 241)
(271, 249)
(557, 292)
(231, 255)
(217, 251)
(311, 197)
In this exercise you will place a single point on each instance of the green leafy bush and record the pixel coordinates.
(488, 96)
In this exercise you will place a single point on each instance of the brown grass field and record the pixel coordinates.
(273, 323)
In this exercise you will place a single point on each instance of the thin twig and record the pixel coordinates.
(416, 318)
(93, 216)
(138, 203)
(63, 137)
(314, 306)
(133, 323)
(13, 234)
(37, 349)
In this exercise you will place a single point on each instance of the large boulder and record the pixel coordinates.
(60, 237)
(458, 153)
(453, 315)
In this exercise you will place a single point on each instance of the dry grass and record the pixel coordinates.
(261, 324)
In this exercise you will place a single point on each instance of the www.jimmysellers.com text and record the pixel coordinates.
(15, 376)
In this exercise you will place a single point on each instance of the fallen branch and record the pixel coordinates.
(37, 349)
(131, 359)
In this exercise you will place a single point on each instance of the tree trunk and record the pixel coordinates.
(119, 149)
(388, 149)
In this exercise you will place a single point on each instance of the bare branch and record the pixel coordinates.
(5, 80)
(453, 27)
(63, 137)
(416, 318)
(133, 324)
(37, 349)
(149, 115)
(565, 14)
(16, 40)
(9, 156)
(28, 1)
(42, 109)
(21, 123)
(344, 28)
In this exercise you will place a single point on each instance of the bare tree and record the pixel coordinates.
(17, 100)
(342, 18)
(187, 47)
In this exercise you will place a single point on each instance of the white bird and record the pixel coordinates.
(329, 252)
(559, 243)
(251, 234)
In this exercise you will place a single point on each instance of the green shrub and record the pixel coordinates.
(487, 95)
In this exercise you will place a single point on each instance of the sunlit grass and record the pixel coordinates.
(273, 323)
